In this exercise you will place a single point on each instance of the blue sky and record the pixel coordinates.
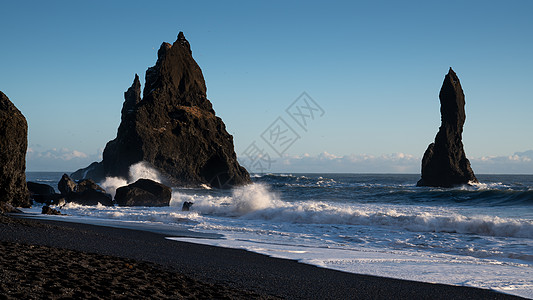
(375, 68)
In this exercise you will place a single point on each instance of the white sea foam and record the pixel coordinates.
(143, 170)
(136, 172)
(111, 184)
(419, 266)
(466, 235)
(244, 200)
(257, 202)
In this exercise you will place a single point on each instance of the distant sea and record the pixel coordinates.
(377, 224)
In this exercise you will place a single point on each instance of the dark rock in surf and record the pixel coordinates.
(40, 188)
(444, 163)
(144, 192)
(47, 210)
(173, 127)
(13, 145)
(42, 193)
(186, 206)
(66, 185)
(85, 192)
(87, 185)
(90, 197)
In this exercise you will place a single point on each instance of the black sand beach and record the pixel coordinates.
(54, 259)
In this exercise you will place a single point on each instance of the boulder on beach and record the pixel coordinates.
(84, 192)
(47, 210)
(143, 192)
(444, 163)
(13, 145)
(173, 128)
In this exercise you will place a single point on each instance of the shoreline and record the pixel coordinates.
(254, 275)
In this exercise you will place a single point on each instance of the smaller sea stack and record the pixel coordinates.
(444, 163)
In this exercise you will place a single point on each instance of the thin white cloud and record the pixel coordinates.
(59, 159)
(63, 159)
(517, 163)
(353, 163)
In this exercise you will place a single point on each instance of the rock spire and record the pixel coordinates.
(173, 127)
(444, 163)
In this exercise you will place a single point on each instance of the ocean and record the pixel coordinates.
(376, 224)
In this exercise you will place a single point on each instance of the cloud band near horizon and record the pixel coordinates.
(67, 160)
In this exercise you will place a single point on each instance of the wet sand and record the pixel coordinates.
(55, 259)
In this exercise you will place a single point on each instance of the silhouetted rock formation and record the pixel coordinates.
(173, 127)
(40, 188)
(444, 163)
(13, 146)
(144, 192)
(85, 192)
(43, 193)
(66, 185)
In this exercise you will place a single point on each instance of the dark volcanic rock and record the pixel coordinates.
(173, 127)
(40, 188)
(13, 146)
(85, 192)
(8, 208)
(144, 192)
(94, 170)
(444, 163)
(90, 197)
(47, 210)
(43, 193)
(88, 184)
(66, 185)
(186, 206)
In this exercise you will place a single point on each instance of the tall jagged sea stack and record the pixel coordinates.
(444, 163)
(173, 127)
(13, 146)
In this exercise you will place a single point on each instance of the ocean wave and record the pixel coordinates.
(136, 172)
(289, 180)
(256, 201)
(243, 200)
(382, 189)
(138, 214)
(470, 196)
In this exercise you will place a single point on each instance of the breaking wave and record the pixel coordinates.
(257, 202)
(136, 172)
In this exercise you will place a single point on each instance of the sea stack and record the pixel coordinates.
(173, 128)
(13, 145)
(444, 163)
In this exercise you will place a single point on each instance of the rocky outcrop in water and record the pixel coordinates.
(66, 185)
(84, 192)
(40, 188)
(144, 192)
(13, 146)
(444, 163)
(43, 193)
(186, 206)
(173, 127)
